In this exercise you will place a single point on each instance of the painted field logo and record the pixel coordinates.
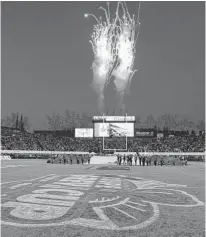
(102, 202)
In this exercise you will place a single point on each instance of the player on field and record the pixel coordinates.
(120, 160)
(64, 158)
(124, 159)
(147, 160)
(161, 161)
(140, 159)
(128, 160)
(155, 160)
(143, 160)
(182, 160)
(131, 156)
(89, 159)
(135, 159)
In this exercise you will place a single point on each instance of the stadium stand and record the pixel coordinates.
(13, 140)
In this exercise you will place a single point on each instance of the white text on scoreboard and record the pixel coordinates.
(114, 118)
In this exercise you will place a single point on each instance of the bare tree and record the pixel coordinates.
(89, 120)
(171, 121)
(168, 121)
(162, 121)
(78, 120)
(186, 123)
(72, 119)
(201, 125)
(159, 122)
(6, 121)
(54, 121)
(67, 120)
(150, 121)
(13, 121)
(191, 125)
(138, 121)
(26, 123)
(10, 121)
(181, 124)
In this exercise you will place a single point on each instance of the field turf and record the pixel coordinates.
(143, 201)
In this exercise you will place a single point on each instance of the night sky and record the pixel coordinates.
(47, 58)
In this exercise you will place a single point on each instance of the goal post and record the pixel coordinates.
(115, 149)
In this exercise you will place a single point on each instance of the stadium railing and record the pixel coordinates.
(78, 152)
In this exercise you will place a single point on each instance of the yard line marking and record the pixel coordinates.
(107, 190)
(125, 213)
(89, 168)
(3, 195)
(137, 203)
(139, 209)
(155, 192)
(8, 166)
(49, 178)
(12, 166)
(60, 186)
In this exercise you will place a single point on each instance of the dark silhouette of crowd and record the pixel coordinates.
(16, 140)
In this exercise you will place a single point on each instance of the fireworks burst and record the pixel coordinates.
(127, 32)
(127, 35)
(113, 43)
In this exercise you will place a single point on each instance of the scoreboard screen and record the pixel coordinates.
(114, 129)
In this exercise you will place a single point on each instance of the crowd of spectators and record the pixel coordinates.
(16, 140)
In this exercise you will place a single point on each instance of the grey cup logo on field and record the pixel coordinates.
(101, 202)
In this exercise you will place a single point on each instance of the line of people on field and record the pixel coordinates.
(126, 159)
(146, 160)
(80, 159)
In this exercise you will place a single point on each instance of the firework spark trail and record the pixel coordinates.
(113, 43)
(103, 45)
(127, 31)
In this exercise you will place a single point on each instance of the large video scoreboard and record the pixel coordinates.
(114, 126)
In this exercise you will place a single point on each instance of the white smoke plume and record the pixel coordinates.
(113, 43)
(103, 45)
(127, 35)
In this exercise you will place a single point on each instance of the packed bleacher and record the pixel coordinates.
(16, 140)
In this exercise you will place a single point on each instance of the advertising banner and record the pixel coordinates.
(83, 132)
(159, 135)
(144, 133)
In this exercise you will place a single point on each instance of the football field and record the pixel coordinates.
(57, 200)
